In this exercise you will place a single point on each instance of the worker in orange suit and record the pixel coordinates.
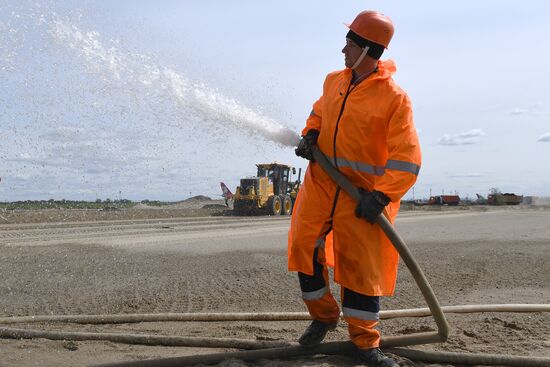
(363, 123)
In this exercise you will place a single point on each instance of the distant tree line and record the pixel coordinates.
(78, 204)
(155, 202)
(67, 204)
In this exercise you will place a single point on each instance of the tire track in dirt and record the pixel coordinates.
(102, 280)
(130, 232)
(138, 222)
(91, 276)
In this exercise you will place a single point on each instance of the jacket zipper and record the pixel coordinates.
(337, 194)
(348, 92)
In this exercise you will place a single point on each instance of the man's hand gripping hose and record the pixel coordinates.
(307, 144)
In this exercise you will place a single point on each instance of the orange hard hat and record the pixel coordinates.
(373, 26)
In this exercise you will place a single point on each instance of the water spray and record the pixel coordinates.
(213, 108)
(111, 116)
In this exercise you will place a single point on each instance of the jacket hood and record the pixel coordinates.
(386, 68)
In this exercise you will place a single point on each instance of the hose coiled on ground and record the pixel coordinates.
(264, 348)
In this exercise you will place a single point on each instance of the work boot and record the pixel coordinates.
(375, 358)
(315, 333)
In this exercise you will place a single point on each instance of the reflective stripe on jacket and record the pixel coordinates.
(367, 131)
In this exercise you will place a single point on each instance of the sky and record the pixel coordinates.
(163, 100)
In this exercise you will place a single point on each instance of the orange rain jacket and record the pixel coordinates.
(367, 131)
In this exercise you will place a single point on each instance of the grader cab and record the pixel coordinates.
(271, 191)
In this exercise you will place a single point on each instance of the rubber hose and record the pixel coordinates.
(165, 340)
(418, 275)
(328, 348)
(143, 339)
(476, 359)
(252, 355)
(344, 348)
(261, 316)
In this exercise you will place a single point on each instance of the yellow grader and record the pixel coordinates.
(271, 192)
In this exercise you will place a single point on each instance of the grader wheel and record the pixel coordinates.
(287, 204)
(274, 205)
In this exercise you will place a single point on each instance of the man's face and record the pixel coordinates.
(351, 52)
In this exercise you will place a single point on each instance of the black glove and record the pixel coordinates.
(371, 205)
(306, 145)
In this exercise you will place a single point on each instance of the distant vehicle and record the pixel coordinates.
(271, 191)
(451, 200)
(226, 194)
(504, 199)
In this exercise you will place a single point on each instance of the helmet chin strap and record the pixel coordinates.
(361, 57)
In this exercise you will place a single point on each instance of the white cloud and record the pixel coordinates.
(467, 175)
(519, 111)
(465, 138)
(535, 109)
(544, 138)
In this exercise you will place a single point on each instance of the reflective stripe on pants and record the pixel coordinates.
(362, 314)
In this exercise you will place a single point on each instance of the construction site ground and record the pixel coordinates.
(196, 259)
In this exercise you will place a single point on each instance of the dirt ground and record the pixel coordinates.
(176, 263)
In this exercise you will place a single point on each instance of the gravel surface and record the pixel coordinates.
(230, 264)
